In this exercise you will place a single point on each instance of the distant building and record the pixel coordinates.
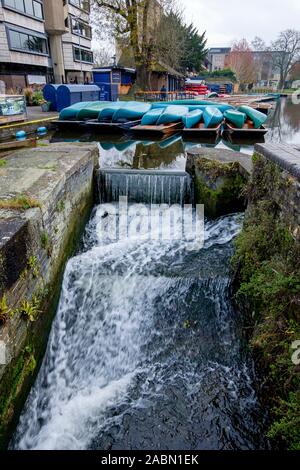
(267, 74)
(217, 57)
(44, 41)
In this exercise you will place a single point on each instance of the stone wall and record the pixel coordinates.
(267, 285)
(277, 177)
(46, 195)
(219, 177)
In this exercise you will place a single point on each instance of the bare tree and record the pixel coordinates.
(286, 52)
(241, 61)
(258, 44)
(134, 21)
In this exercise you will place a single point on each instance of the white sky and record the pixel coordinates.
(227, 20)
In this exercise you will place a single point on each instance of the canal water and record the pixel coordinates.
(147, 350)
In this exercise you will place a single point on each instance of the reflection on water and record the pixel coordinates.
(170, 153)
(284, 123)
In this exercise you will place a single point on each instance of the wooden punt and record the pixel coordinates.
(247, 131)
(163, 129)
(202, 132)
(96, 126)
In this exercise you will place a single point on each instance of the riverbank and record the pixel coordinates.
(267, 263)
(35, 118)
(46, 196)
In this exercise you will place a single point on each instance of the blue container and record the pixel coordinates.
(67, 95)
(50, 95)
(42, 130)
(21, 135)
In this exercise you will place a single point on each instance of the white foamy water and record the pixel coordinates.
(105, 336)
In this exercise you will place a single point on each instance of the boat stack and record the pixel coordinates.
(192, 117)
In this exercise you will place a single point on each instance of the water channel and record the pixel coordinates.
(147, 350)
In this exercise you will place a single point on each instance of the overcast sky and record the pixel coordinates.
(227, 20)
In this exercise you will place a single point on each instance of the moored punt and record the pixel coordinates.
(221, 106)
(71, 112)
(235, 141)
(162, 129)
(202, 132)
(172, 114)
(91, 111)
(106, 114)
(235, 117)
(248, 130)
(192, 118)
(212, 117)
(96, 126)
(255, 116)
(131, 111)
(151, 117)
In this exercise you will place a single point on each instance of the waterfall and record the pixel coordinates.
(146, 351)
(153, 187)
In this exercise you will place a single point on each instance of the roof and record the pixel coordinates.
(114, 67)
(219, 50)
(164, 68)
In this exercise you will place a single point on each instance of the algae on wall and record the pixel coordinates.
(267, 264)
(219, 186)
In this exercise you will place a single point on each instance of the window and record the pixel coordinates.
(80, 28)
(83, 55)
(28, 7)
(26, 42)
(82, 4)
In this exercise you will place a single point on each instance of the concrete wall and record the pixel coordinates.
(6, 55)
(34, 246)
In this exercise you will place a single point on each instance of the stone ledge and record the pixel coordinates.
(224, 156)
(285, 156)
(34, 247)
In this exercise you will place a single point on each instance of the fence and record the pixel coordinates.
(163, 96)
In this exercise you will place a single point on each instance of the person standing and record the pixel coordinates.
(163, 93)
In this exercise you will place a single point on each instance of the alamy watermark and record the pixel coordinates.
(296, 354)
(3, 354)
(164, 222)
(296, 97)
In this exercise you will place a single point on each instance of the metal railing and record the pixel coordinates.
(164, 96)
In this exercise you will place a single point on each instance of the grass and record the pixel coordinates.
(21, 202)
(2, 163)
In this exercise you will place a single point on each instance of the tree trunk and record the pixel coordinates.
(142, 76)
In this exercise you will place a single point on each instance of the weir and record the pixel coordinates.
(142, 186)
(145, 339)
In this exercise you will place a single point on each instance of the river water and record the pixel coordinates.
(146, 350)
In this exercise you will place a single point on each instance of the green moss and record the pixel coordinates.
(267, 263)
(11, 384)
(60, 206)
(2, 163)
(33, 266)
(5, 310)
(219, 187)
(21, 202)
(16, 383)
(44, 240)
(30, 310)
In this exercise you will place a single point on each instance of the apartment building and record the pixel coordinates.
(217, 58)
(44, 41)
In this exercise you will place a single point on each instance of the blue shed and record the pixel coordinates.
(50, 94)
(108, 91)
(119, 78)
(67, 95)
